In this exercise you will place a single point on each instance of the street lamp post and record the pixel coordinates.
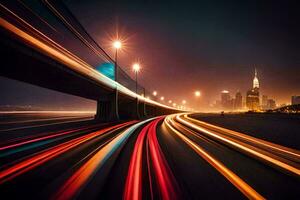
(117, 44)
(136, 69)
(197, 95)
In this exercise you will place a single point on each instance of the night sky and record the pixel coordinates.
(186, 46)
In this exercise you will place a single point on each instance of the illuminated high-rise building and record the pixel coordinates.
(255, 80)
(264, 102)
(226, 100)
(252, 98)
(238, 101)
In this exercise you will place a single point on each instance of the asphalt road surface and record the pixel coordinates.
(167, 157)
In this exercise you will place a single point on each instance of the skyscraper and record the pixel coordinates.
(255, 80)
(238, 101)
(226, 100)
(264, 102)
(271, 104)
(252, 98)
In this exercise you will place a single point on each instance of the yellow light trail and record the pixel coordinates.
(230, 142)
(246, 189)
(267, 144)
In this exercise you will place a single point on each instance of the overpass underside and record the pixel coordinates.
(23, 63)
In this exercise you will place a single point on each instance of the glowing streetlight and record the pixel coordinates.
(136, 68)
(170, 101)
(174, 104)
(162, 98)
(154, 93)
(117, 45)
(183, 101)
(197, 93)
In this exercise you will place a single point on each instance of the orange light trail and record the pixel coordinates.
(45, 45)
(246, 189)
(267, 145)
(243, 147)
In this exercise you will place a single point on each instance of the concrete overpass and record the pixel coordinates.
(30, 56)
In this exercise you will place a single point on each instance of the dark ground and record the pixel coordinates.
(283, 129)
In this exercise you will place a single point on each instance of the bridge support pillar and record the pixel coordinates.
(142, 109)
(107, 108)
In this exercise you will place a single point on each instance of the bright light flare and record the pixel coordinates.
(183, 101)
(162, 98)
(197, 93)
(154, 93)
(136, 67)
(117, 44)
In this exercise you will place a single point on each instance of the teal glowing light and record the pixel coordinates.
(107, 69)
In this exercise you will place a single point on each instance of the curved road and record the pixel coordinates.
(167, 157)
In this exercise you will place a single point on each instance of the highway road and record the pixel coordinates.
(166, 157)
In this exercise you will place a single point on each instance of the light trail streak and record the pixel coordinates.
(87, 43)
(33, 142)
(86, 172)
(167, 185)
(267, 145)
(241, 146)
(32, 137)
(39, 17)
(40, 120)
(55, 51)
(133, 185)
(46, 155)
(246, 189)
(41, 125)
(41, 138)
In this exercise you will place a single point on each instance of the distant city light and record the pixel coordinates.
(183, 101)
(174, 104)
(197, 93)
(117, 44)
(162, 98)
(225, 91)
(154, 93)
(170, 101)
